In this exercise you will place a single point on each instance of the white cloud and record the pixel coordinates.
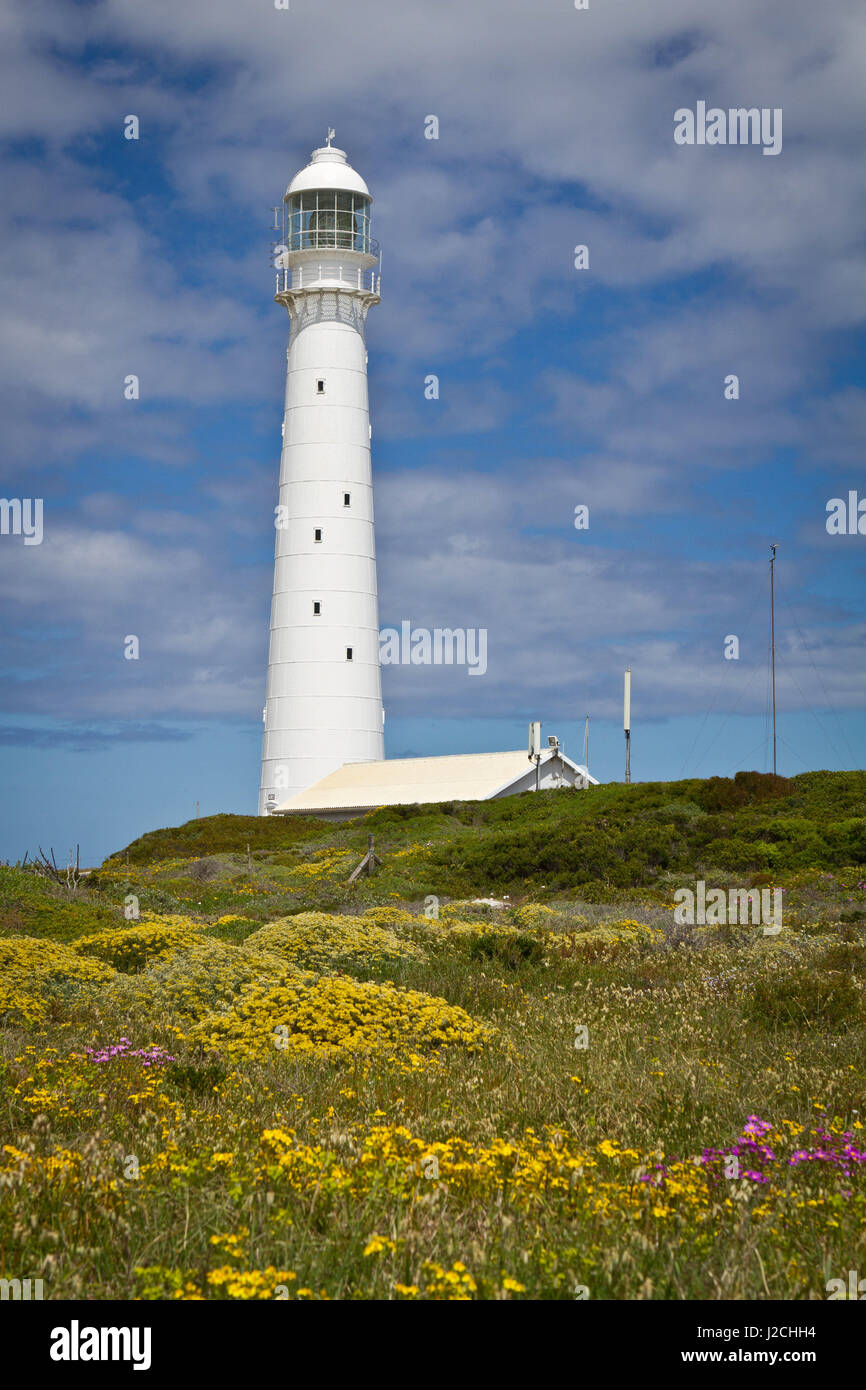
(556, 128)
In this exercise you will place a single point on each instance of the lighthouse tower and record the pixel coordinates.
(324, 694)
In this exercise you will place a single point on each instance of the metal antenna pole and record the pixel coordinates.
(586, 744)
(773, 642)
(627, 722)
(535, 747)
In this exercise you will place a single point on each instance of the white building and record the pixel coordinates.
(324, 696)
(360, 787)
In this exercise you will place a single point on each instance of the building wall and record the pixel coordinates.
(552, 774)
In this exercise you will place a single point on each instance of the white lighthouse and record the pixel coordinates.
(324, 693)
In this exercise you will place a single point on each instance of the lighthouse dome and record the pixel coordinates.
(328, 168)
(327, 207)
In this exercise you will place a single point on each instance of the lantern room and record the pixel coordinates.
(327, 206)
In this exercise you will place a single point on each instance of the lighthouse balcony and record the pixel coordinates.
(328, 273)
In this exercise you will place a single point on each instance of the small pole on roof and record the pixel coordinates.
(586, 744)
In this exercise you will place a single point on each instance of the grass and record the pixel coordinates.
(571, 1093)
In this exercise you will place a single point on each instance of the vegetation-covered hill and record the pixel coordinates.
(229, 1074)
(607, 837)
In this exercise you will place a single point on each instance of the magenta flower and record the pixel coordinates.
(148, 1055)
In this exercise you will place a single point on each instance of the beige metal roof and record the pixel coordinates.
(407, 781)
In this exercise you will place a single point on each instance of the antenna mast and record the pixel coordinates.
(535, 747)
(773, 642)
(586, 744)
(626, 722)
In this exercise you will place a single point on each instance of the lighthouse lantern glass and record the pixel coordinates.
(326, 219)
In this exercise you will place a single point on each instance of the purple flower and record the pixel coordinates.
(148, 1056)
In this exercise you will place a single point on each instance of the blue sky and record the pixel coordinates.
(557, 386)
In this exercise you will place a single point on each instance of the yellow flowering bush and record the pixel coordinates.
(203, 978)
(531, 1169)
(390, 917)
(33, 971)
(132, 948)
(454, 1285)
(21, 1167)
(318, 939)
(611, 940)
(323, 864)
(379, 1245)
(536, 915)
(229, 1282)
(333, 1017)
(225, 1282)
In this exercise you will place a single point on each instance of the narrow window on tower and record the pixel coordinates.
(347, 499)
(317, 533)
(317, 608)
(320, 386)
(348, 653)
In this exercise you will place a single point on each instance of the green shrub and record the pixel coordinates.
(220, 835)
(232, 928)
(805, 995)
(746, 788)
(37, 907)
(510, 949)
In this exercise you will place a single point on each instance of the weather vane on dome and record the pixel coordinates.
(331, 136)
